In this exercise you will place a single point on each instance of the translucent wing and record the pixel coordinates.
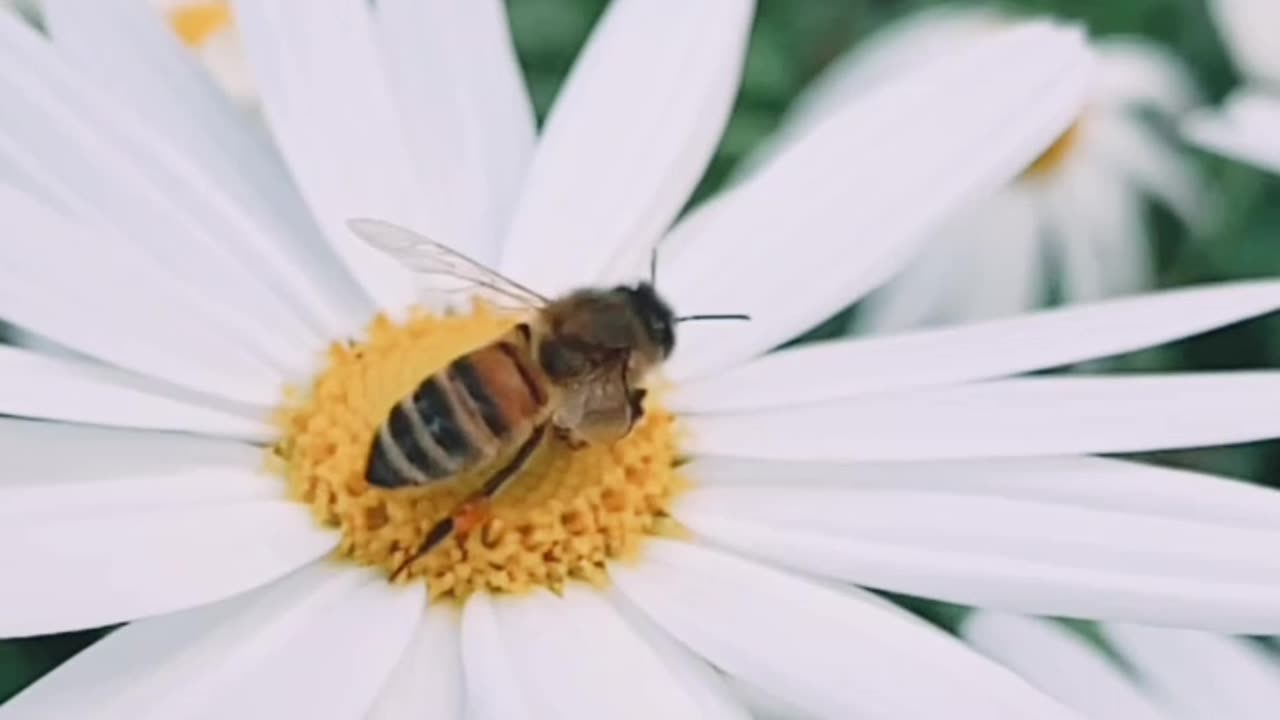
(426, 256)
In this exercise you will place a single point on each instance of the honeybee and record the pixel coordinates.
(574, 367)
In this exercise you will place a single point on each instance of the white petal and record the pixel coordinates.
(630, 134)
(316, 644)
(1123, 141)
(834, 654)
(1244, 130)
(493, 687)
(1061, 663)
(842, 209)
(121, 469)
(1136, 73)
(328, 101)
(84, 288)
(427, 682)
(716, 699)
(1064, 557)
(127, 49)
(577, 658)
(1199, 675)
(1246, 27)
(1008, 418)
(1088, 482)
(467, 114)
(36, 386)
(95, 160)
(1036, 341)
(82, 570)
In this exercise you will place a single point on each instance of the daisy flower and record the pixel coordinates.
(202, 477)
(1146, 673)
(1247, 127)
(1072, 225)
(206, 28)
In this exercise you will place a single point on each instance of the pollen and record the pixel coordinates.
(196, 22)
(1055, 157)
(565, 516)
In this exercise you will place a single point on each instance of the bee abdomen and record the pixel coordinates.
(407, 449)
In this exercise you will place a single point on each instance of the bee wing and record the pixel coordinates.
(428, 257)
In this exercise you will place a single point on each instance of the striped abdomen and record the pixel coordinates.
(462, 416)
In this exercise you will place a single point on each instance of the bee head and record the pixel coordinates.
(655, 315)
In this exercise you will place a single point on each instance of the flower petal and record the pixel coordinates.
(630, 134)
(131, 562)
(427, 682)
(1246, 26)
(467, 114)
(813, 248)
(1243, 130)
(1142, 73)
(1089, 482)
(121, 468)
(1036, 341)
(1008, 418)
(1061, 663)
(126, 48)
(834, 654)
(93, 159)
(493, 687)
(716, 700)
(1064, 557)
(334, 117)
(1151, 163)
(83, 288)
(316, 644)
(36, 386)
(579, 641)
(1200, 675)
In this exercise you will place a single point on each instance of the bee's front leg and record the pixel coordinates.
(570, 438)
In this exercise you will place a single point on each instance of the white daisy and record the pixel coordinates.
(206, 27)
(1247, 127)
(1073, 225)
(1154, 674)
(150, 228)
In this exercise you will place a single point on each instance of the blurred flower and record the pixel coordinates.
(1073, 226)
(151, 228)
(1247, 127)
(206, 27)
(1155, 674)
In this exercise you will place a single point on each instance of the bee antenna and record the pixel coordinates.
(653, 266)
(684, 318)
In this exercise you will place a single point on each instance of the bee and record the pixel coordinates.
(574, 367)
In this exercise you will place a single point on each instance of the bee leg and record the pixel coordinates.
(636, 399)
(474, 509)
(570, 438)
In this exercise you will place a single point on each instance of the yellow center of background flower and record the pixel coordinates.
(196, 22)
(564, 516)
(1052, 159)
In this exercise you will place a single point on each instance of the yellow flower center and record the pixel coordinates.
(196, 22)
(1052, 159)
(565, 515)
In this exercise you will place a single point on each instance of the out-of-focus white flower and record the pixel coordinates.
(1155, 673)
(208, 29)
(1247, 127)
(1073, 225)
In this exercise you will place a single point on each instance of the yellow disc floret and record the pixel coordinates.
(196, 22)
(1055, 156)
(566, 515)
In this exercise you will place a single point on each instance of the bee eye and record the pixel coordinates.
(561, 361)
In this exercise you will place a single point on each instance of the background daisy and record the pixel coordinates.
(1247, 127)
(1073, 226)
(1131, 672)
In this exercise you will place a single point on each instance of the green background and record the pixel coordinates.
(791, 41)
